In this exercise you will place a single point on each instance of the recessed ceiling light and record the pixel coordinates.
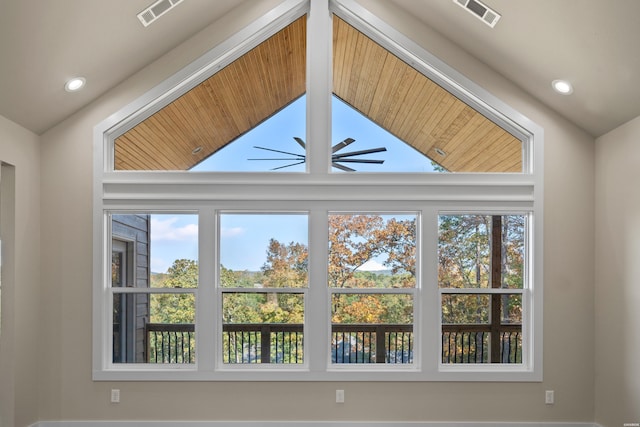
(562, 86)
(74, 84)
(440, 152)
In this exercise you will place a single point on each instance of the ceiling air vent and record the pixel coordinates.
(156, 10)
(480, 11)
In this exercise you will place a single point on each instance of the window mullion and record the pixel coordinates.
(317, 325)
(319, 39)
(429, 319)
(206, 314)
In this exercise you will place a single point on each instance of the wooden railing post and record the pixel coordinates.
(265, 343)
(380, 344)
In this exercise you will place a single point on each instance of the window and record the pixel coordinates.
(263, 286)
(385, 226)
(481, 275)
(372, 278)
(435, 130)
(154, 277)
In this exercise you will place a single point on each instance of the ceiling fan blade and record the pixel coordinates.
(341, 145)
(377, 162)
(288, 166)
(358, 153)
(281, 158)
(342, 167)
(300, 142)
(299, 156)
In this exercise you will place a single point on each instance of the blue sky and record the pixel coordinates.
(278, 132)
(173, 237)
(245, 237)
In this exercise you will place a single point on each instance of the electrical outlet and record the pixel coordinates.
(339, 396)
(115, 395)
(549, 397)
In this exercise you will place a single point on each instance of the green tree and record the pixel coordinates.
(176, 308)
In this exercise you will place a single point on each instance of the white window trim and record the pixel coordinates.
(317, 191)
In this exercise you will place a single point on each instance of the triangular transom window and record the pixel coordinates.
(441, 132)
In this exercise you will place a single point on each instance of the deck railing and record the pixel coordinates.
(262, 343)
(170, 342)
(472, 344)
(362, 343)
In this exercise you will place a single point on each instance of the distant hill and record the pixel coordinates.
(158, 278)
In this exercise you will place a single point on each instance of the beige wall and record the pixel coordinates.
(618, 276)
(67, 391)
(20, 327)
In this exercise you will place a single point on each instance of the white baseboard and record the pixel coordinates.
(303, 424)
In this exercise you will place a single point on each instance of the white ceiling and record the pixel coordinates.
(593, 43)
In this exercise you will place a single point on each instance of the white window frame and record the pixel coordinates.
(499, 371)
(317, 191)
(230, 368)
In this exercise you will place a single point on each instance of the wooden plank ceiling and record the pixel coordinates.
(217, 111)
(365, 75)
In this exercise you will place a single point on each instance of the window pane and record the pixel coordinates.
(470, 334)
(200, 129)
(511, 309)
(264, 250)
(476, 309)
(466, 248)
(372, 251)
(463, 251)
(389, 104)
(466, 309)
(153, 328)
(372, 328)
(263, 327)
(154, 250)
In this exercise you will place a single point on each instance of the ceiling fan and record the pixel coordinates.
(336, 158)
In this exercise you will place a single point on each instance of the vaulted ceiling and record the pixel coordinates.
(366, 76)
(591, 42)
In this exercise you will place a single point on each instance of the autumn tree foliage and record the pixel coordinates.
(286, 266)
(464, 261)
(357, 239)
